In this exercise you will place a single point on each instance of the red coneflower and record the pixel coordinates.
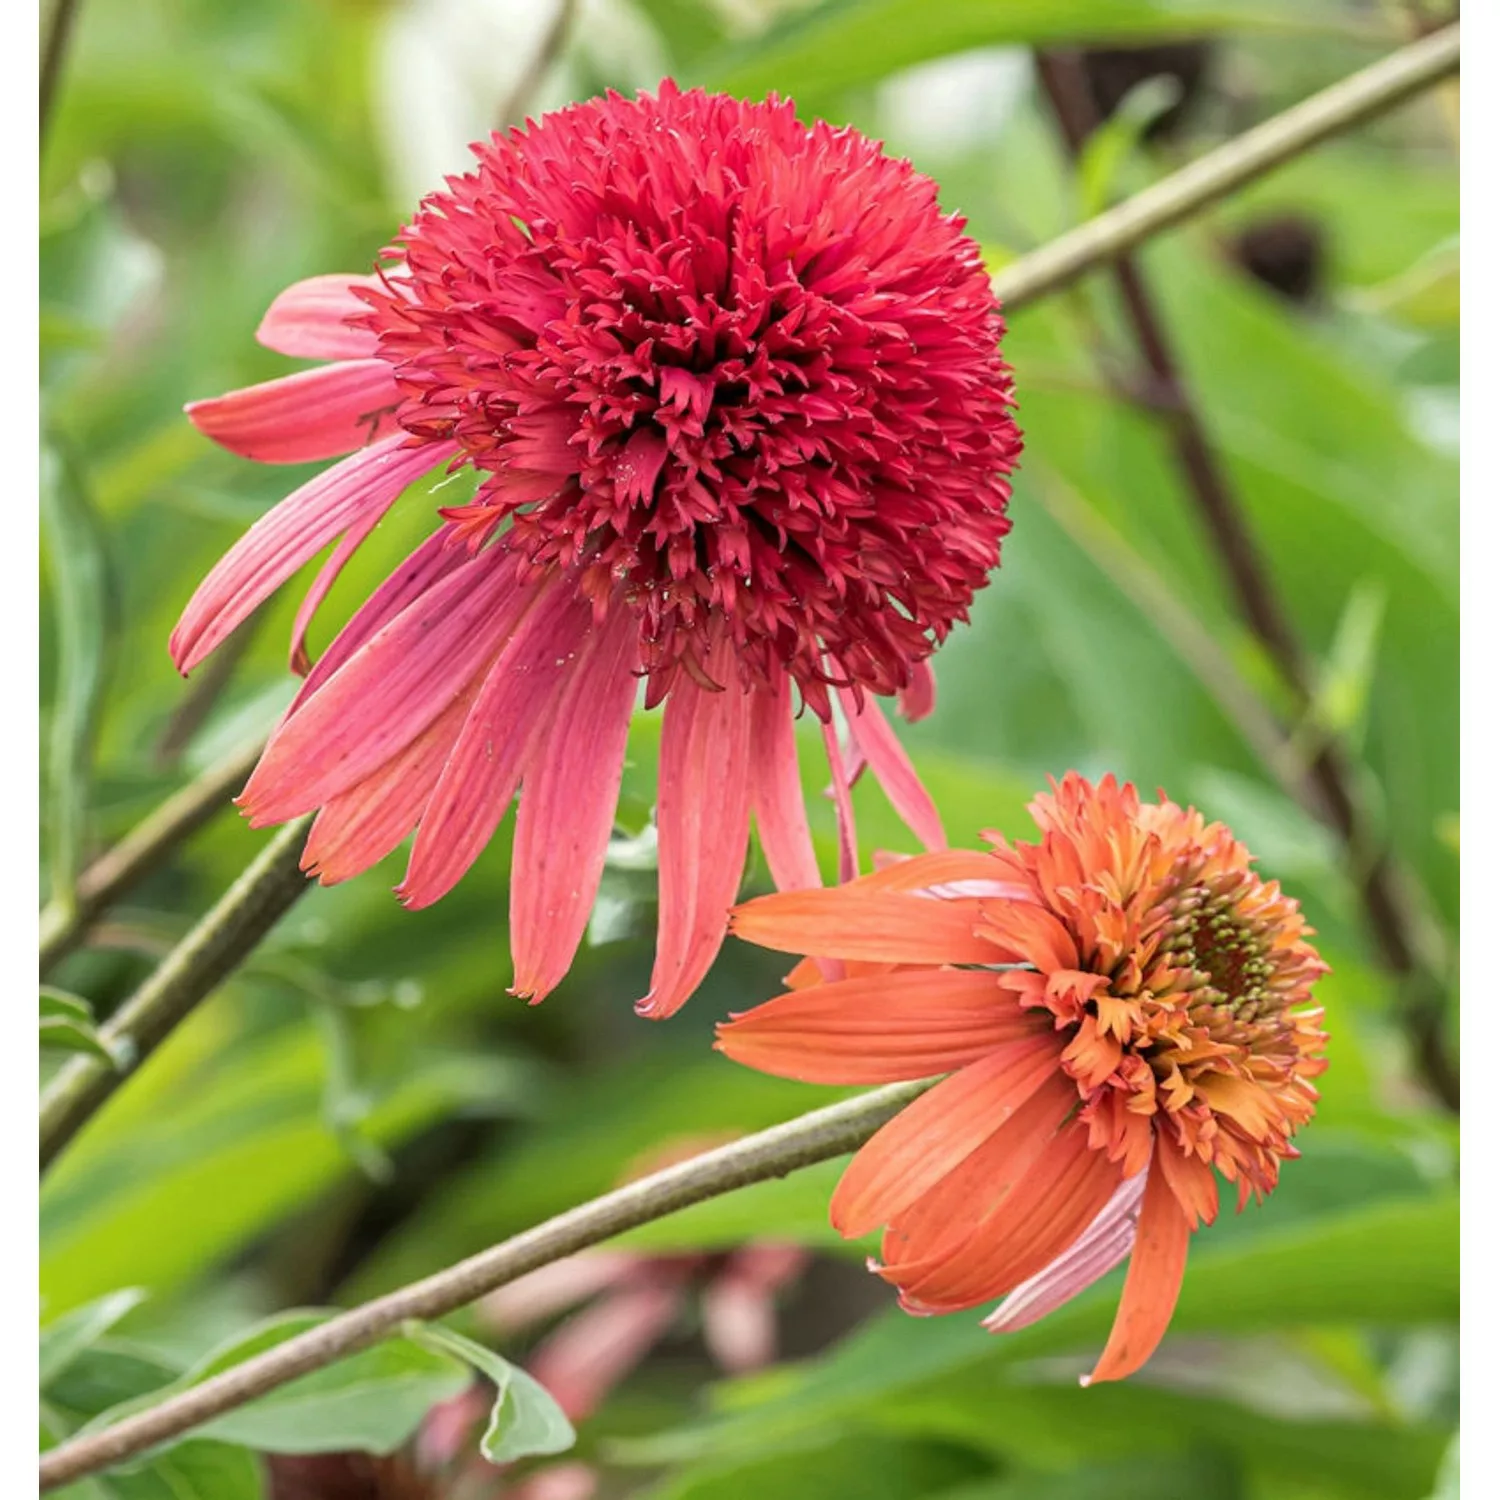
(1123, 1007)
(733, 388)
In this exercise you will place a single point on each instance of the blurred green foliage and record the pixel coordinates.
(363, 1103)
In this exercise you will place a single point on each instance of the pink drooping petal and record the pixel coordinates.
(425, 568)
(570, 1481)
(776, 791)
(299, 418)
(552, 1288)
(703, 826)
(843, 803)
(872, 733)
(359, 827)
(919, 697)
(739, 1324)
(291, 533)
(389, 691)
(739, 1310)
(309, 320)
(596, 1348)
(568, 803)
(767, 1264)
(1095, 1253)
(350, 543)
(484, 769)
(449, 1429)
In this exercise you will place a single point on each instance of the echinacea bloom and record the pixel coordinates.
(1124, 1010)
(731, 388)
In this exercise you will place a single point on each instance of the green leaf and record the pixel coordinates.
(1341, 695)
(66, 1023)
(1110, 146)
(373, 1401)
(345, 1105)
(65, 1338)
(1203, 1476)
(84, 598)
(197, 1470)
(1390, 1264)
(55, 1004)
(852, 42)
(1447, 1481)
(102, 1377)
(1425, 295)
(70, 1036)
(221, 1138)
(525, 1420)
(1153, 1429)
(866, 1466)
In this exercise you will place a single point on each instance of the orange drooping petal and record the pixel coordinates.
(1191, 1180)
(880, 927)
(932, 1135)
(949, 1212)
(880, 1028)
(1053, 1203)
(1152, 1282)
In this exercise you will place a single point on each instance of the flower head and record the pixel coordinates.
(1124, 1010)
(732, 389)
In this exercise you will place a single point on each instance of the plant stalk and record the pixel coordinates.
(1372, 91)
(142, 851)
(246, 912)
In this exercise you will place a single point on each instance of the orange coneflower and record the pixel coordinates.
(1123, 1007)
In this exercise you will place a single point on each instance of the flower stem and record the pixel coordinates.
(785, 1148)
(142, 851)
(1372, 91)
(242, 917)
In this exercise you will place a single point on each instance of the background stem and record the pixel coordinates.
(143, 850)
(248, 910)
(1373, 90)
(54, 49)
